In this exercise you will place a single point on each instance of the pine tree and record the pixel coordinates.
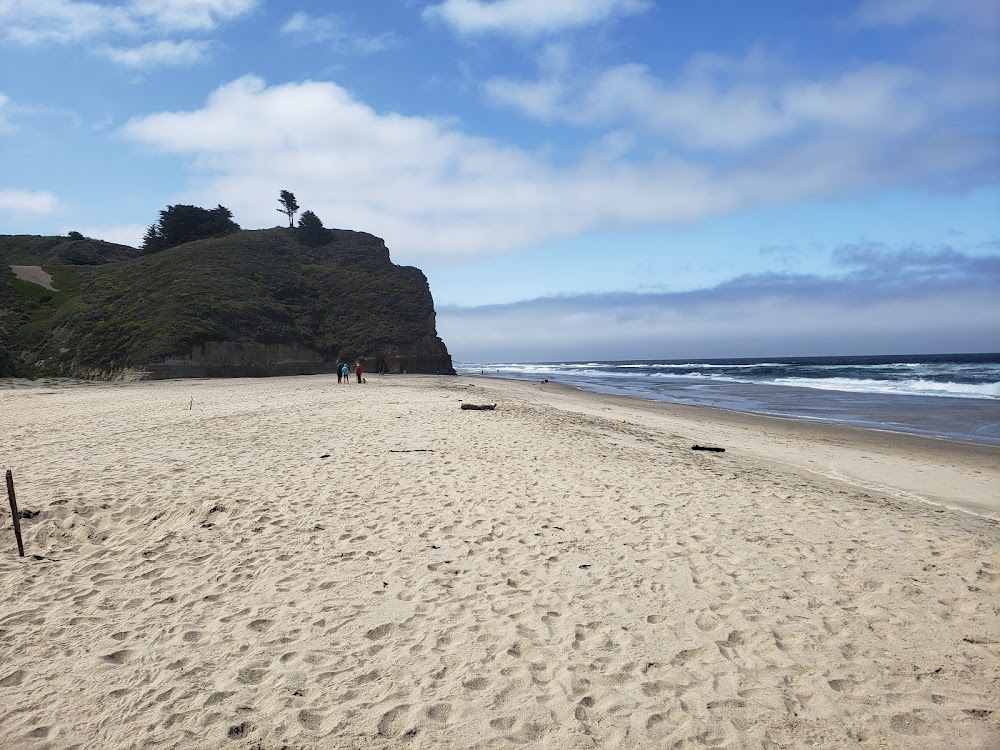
(288, 206)
(310, 230)
(182, 223)
(152, 241)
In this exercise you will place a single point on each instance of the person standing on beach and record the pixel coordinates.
(357, 371)
(340, 372)
(345, 373)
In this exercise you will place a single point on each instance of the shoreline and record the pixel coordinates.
(293, 562)
(958, 418)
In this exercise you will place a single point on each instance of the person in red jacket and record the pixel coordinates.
(357, 371)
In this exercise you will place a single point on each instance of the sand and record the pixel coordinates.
(293, 563)
(35, 275)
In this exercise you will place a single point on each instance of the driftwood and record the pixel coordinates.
(707, 448)
(480, 407)
(14, 513)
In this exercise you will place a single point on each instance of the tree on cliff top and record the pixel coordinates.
(310, 230)
(288, 206)
(180, 224)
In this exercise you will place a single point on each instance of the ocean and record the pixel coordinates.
(950, 396)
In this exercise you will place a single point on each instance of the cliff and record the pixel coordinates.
(253, 303)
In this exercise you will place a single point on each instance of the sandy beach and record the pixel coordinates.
(293, 563)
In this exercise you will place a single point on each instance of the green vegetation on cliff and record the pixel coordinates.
(33, 250)
(343, 300)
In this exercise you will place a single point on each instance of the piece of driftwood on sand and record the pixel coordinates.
(480, 407)
(14, 513)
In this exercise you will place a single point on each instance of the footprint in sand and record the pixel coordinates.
(250, 676)
(310, 719)
(118, 657)
(239, 730)
(381, 631)
(13, 679)
(439, 712)
(217, 697)
(391, 723)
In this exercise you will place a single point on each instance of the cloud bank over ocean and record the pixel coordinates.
(915, 301)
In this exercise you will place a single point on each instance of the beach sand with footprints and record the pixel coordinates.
(289, 563)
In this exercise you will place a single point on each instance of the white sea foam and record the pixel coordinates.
(941, 379)
(902, 387)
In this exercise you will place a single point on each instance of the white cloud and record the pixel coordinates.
(333, 30)
(542, 99)
(424, 187)
(303, 23)
(6, 126)
(190, 15)
(27, 202)
(20, 111)
(529, 17)
(720, 104)
(957, 36)
(430, 189)
(159, 54)
(33, 22)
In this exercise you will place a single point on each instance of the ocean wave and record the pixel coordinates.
(899, 387)
(695, 366)
(954, 376)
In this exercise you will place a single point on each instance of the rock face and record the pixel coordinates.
(251, 304)
(424, 355)
(225, 359)
(230, 359)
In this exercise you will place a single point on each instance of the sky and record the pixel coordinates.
(578, 179)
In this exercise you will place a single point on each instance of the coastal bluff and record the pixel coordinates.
(253, 303)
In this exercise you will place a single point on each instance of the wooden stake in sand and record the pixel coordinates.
(13, 512)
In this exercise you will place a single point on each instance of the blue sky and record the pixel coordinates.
(579, 179)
